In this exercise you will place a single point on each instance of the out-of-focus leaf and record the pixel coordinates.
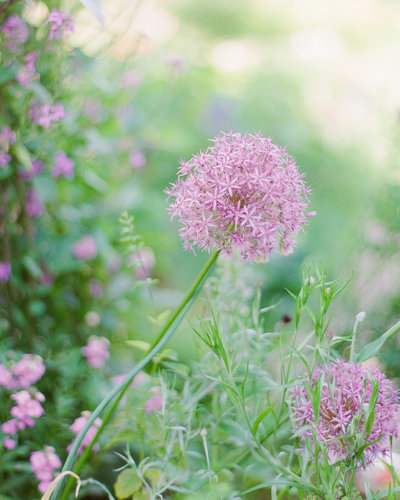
(94, 181)
(5, 74)
(94, 6)
(139, 344)
(127, 483)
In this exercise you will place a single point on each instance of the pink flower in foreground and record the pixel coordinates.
(9, 443)
(36, 168)
(78, 425)
(154, 403)
(137, 159)
(5, 271)
(27, 407)
(43, 464)
(345, 393)
(85, 248)
(16, 30)
(63, 166)
(34, 205)
(28, 370)
(7, 137)
(144, 261)
(60, 22)
(5, 158)
(96, 351)
(243, 193)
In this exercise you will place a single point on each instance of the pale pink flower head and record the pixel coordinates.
(7, 137)
(28, 407)
(28, 370)
(11, 426)
(78, 425)
(5, 271)
(96, 351)
(345, 392)
(16, 31)
(34, 205)
(154, 403)
(60, 23)
(43, 464)
(85, 248)
(137, 159)
(243, 193)
(63, 166)
(144, 261)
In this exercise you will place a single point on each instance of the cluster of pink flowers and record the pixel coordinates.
(45, 114)
(85, 248)
(5, 271)
(243, 193)
(36, 168)
(63, 166)
(143, 261)
(96, 351)
(60, 23)
(7, 137)
(346, 390)
(28, 72)
(78, 425)
(43, 465)
(26, 372)
(16, 31)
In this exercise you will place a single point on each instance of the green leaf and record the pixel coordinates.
(128, 482)
(139, 344)
(260, 418)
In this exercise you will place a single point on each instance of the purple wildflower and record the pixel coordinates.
(60, 22)
(5, 271)
(155, 402)
(85, 248)
(7, 137)
(96, 351)
(43, 464)
(28, 73)
(137, 159)
(63, 166)
(346, 390)
(28, 407)
(16, 30)
(78, 425)
(4, 158)
(9, 443)
(28, 370)
(36, 168)
(34, 205)
(46, 114)
(243, 193)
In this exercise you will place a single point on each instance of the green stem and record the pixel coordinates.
(165, 334)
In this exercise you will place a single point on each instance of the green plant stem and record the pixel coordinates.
(165, 334)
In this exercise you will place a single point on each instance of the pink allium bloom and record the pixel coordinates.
(7, 137)
(16, 30)
(96, 351)
(36, 168)
(9, 443)
(137, 159)
(85, 248)
(63, 166)
(146, 260)
(34, 205)
(153, 404)
(28, 370)
(28, 73)
(43, 464)
(28, 407)
(60, 22)
(78, 425)
(345, 393)
(243, 193)
(44, 115)
(5, 271)
(5, 158)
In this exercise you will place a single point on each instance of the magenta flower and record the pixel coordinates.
(137, 159)
(28, 407)
(34, 205)
(28, 370)
(96, 351)
(7, 137)
(60, 22)
(36, 168)
(78, 425)
(16, 31)
(5, 271)
(244, 193)
(85, 248)
(345, 393)
(43, 464)
(63, 166)
(5, 158)
(144, 261)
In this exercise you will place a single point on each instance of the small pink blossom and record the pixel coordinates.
(27, 407)
(7, 137)
(144, 261)
(137, 159)
(60, 22)
(16, 30)
(43, 464)
(28, 72)
(5, 271)
(5, 158)
(34, 205)
(11, 426)
(154, 403)
(63, 166)
(6, 378)
(85, 248)
(28, 370)
(44, 115)
(96, 351)
(36, 168)
(78, 425)
(9, 443)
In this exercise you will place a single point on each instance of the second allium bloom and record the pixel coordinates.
(243, 193)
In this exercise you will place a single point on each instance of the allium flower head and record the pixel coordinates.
(243, 193)
(346, 391)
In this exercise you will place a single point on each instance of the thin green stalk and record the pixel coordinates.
(165, 334)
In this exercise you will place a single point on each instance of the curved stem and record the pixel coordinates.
(165, 334)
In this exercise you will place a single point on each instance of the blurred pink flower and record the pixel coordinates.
(5, 271)
(27, 407)
(7, 137)
(28, 73)
(60, 22)
(96, 351)
(11, 426)
(136, 382)
(137, 159)
(34, 205)
(6, 378)
(28, 370)
(5, 158)
(16, 31)
(36, 168)
(78, 425)
(44, 115)
(43, 464)
(154, 403)
(85, 248)
(9, 443)
(63, 166)
(146, 260)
